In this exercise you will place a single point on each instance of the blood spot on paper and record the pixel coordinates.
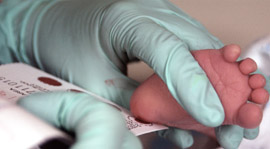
(49, 81)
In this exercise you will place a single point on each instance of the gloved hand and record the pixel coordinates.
(89, 43)
(230, 136)
(95, 123)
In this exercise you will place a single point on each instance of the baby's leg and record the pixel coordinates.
(153, 102)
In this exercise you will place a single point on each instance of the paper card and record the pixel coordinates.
(18, 80)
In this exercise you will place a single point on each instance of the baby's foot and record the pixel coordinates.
(232, 81)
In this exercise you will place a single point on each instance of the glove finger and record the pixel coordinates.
(93, 121)
(118, 89)
(131, 142)
(178, 12)
(190, 31)
(251, 133)
(111, 85)
(195, 37)
(229, 136)
(180, 138)
(169, 56)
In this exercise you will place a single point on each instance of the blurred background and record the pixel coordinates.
(232, 21)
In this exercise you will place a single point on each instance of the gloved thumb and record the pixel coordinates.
(95, 124)
(180, 138)
(229, 136)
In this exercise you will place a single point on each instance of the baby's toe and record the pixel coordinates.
(249, 116)
(247, 66)
(260, 96)
(231, 53)
(257, 81)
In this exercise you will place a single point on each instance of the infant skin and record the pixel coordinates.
(242, 94)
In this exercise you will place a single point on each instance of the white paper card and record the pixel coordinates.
(18, 80)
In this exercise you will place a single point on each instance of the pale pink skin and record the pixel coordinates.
(152, 102)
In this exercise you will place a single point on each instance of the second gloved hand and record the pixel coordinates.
(95, 124)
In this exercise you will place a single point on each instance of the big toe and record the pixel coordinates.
(231, 53)
(247, 66)
(249, 116)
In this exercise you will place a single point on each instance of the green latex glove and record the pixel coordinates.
(96, 124)
(230, 136)
(89, 43)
